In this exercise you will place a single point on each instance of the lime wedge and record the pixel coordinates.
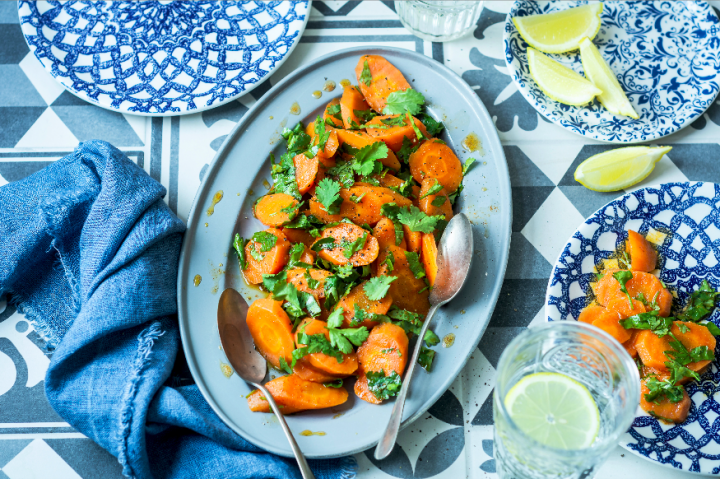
(620, 168)
(559, 82)
(562, 31)
(613, 97)
(555, 410)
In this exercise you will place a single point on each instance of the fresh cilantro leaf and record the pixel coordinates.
(283, 175)
(702, 353)
(467, 165)
(265, 240)
(438, 201)
(625, 260)
(365, 115)
(335, 111)
(382, 386)
(390, 351)
(454, 196)
(659, 389)
(714, 330)
(344, 172)
(311, 282)
(335, 319)
(315, 343)
(239, 246)
(395, 121)
(352, 247)
(306, 222)
(409, 321)
(416, 220)
(413, 260)
(357, 336)
(392, 210)
(431, 339)
(406, 188)
(365, 75)
(652, 321)
(321, 133)
(389, 261)
(343, 339)
(399, 102)
(683, 329)
(418, 133)
(700, 304)
(284, 366)
(426, 357)
(337, 384)
(323, 243)
(376, 288)
(366, 163)
(297, 303)
(334, 286)
(641, 297)
(296, 252)
(623, 277)
(271, 281)
(433, 190)
(357, 199)
(328, 194)
(432, 126)
(406, 150)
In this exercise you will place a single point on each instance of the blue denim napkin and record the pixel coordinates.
(89, 252)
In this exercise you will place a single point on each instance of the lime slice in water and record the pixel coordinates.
(555, 410)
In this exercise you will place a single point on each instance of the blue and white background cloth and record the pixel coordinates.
(40, 122)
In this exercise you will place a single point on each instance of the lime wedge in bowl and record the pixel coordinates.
(555, 410)
(559, 82)
(560, 32)
(613, 97)
(620, 168)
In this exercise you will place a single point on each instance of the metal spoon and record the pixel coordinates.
(453, 261)
(247, 362)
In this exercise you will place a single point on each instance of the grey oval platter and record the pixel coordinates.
(241, 169)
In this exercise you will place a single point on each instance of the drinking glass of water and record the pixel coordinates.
(565, 393)
(438, 21)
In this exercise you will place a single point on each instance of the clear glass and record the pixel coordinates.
(591, 357)
(439, 21)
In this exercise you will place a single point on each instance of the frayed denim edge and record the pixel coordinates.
(46, 333)
(146, 341)
(348, 468)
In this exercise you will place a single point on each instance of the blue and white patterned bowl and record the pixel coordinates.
(666, 56)
(162, 58)
(683, 220)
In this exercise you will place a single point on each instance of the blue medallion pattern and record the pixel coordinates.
(161, 57)
(683, 220)
(666, 56)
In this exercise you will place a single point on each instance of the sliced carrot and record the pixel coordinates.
(344, 235)
(337, 123)
(306, 171)
(352, 100)
(608, 288)
(413, 238)
(651, 348)
(629, 345)
(307, 256)
(591, 313)
(297, 277)
(389, 180)
(362, 390)
(405, 290)
(271, 330)
(304, 370)
(384, 231)
(296, 394)
(643, 256)
(268, 209)
(393, 136)
(429, 257)
(385, 80)
(367, 209)
(616, 310)
(357, 298)
(664, 408)
(272, 261)
(436, 160)
(332, 143)
(360, 139)
(296, 235)
(427, 204)
(324, 362)
(385, 349)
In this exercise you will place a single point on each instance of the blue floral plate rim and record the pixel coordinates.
(665, 212)
(594, 121)
(182, 111)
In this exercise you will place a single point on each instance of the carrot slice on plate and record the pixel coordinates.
(385, 79)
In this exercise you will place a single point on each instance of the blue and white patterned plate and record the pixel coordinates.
(162, 58)
(683, 221)
(666, 56)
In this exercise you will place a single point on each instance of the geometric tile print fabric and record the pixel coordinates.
(41, 122)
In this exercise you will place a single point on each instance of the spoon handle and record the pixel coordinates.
(389, 437)
(299, 456)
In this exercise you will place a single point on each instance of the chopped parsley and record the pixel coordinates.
(335, 111)
(433, 190)
(432, 126)
(623, 277)
(365, 115)
(264, 241)
(413, 260)
(467, 165)
(438, 201)
(700, 304)
(406, 150)
(352, 247)
(389, 261)
(239, 245)
(431, 339)
(426, 357)
(384, 387)
(365, 75)
(395, 121)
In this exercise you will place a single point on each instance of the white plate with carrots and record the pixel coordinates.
(315, 229)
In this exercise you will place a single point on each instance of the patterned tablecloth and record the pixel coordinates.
(41, 122)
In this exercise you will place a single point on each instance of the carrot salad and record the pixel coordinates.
(348, 258)
(634, 306)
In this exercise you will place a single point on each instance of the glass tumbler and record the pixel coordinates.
(587, 355)
(438, 21)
